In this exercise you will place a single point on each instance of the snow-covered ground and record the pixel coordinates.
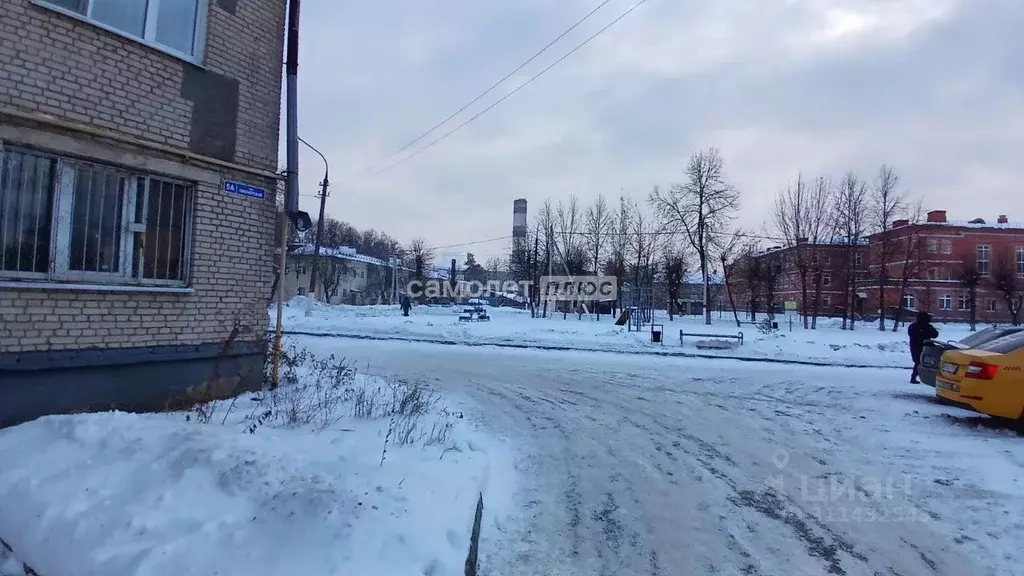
(666, 466)
(590, 464)
(306, 489)
(866, 346)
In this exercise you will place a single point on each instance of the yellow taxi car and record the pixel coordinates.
(988, 379)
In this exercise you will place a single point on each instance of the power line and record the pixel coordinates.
(509, 95)
(498, 83)
(470, 243)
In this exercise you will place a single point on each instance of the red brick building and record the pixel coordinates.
(831, 259)
(933, 256)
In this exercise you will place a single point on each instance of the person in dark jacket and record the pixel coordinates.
(920, 331)
(406, 305)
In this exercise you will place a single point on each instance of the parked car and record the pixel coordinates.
(934, 349)
(988, 378)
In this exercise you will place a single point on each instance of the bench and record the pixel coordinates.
(474, 314)
(738, 337)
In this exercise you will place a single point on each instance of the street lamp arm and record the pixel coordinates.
(326, 168)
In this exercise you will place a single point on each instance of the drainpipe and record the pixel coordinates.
(300, 220)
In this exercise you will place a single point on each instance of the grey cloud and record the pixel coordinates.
(940, 96)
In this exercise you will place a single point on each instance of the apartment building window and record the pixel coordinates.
(826, 300)
(933, 245)
(177, 26)
(984, 259)
(858, 259)
(1020, 261)
(909, 301)
(826, 279)
(990, 305)
(964, 302)
(67, 220)
(947, 245)
(945, 302)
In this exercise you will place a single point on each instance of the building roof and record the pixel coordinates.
(697, 279)
(342, 252)
(1009, 225)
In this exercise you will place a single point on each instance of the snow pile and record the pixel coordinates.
(829, 344)
(380, 478)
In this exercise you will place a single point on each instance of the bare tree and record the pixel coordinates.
(615, 265)
(886, 204)
(851, 215)
(700, 208)
(910, 256)
(545, 225)
(598, 224)
(494, 265)
(571, 226)
(1008, 279)
(752, 275)
(728, 248)
(643, 242)
(422, 258)
(791, 215)
(771, 274)
(333, 271)
(822, 233)
(969, 275)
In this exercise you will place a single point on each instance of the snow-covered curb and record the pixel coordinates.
(709, 354)
(117, 494)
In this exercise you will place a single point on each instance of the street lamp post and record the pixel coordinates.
(320, 221)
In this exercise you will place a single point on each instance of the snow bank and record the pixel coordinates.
(865, 346)
(121, 494)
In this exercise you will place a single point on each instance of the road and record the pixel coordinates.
(665, 466)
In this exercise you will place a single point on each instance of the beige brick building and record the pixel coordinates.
(138, 170)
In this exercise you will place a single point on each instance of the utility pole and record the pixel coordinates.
(533, 276)
(320, 221)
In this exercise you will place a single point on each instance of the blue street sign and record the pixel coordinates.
(241, 189)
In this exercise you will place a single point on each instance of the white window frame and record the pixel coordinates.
(826, 279)
(946, 302)
(947, 245)
(984, 264)
(963, 302)
(933, 245)
(909, 301)
(826, 300)
(62, 213)
(991, 305)
(149, 33)
(1020, 261)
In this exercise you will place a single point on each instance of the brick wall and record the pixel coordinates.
(231, 275)
(54, 64)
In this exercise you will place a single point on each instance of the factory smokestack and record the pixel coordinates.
(519, 224)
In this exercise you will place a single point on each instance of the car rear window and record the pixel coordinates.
(1005, 345)
(985, 335)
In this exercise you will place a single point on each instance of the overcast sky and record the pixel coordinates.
(933, 87)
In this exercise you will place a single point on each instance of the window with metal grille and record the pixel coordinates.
(68, 220)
